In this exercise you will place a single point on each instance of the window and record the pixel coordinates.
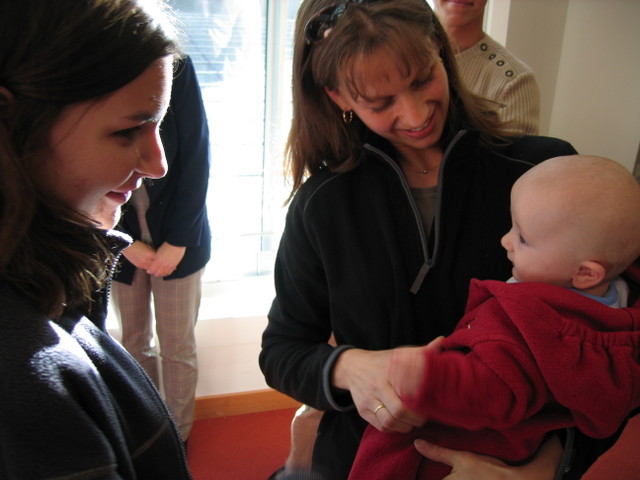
(241, 50)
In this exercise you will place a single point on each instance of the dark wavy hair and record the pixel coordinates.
(55, 54)
(410, 29)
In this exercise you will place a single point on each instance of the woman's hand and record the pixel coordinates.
(139, 254)
(364, 374)
(406, 367)
(472, 466)
(166, 260)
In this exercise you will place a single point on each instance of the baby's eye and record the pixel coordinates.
(522, 240)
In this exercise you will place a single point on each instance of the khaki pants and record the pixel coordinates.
(175, 311)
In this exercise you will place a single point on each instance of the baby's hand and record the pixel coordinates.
(406, 368)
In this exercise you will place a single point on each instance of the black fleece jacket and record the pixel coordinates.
(75, 404)
(354, 260)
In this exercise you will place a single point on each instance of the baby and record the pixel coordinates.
(542, 352)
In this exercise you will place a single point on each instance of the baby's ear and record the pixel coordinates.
(589, 274)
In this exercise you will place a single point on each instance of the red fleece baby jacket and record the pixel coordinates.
(526, 359)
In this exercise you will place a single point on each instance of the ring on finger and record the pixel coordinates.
(379, 407)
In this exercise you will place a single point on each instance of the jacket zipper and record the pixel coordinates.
(428, 261)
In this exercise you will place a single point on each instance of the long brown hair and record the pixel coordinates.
(55, 54)
(410, 29)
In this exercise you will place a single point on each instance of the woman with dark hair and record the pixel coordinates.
(84, 85)
(401, 180)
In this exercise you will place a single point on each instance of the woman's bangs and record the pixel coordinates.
(409, 57)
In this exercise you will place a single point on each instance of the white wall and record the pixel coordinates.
(597, 99)
(586, 59)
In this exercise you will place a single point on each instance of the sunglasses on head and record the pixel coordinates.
(323, 21)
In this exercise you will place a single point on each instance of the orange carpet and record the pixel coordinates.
(241, 447)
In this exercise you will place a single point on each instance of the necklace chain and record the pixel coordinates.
(421, 172)
(424, 171)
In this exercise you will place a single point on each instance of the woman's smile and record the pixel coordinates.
(422, 131)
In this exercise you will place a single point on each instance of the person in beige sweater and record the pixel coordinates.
(488, 68)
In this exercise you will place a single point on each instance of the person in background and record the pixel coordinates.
(488, 68)
(530, 357)
(401, 180)
(163, 267)
(84, 86)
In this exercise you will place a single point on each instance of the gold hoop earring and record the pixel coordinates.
(347, 117)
